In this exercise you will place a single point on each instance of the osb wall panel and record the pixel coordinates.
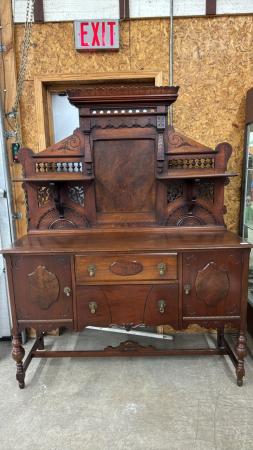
(213, 59)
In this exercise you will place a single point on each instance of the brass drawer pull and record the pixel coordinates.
(187, 289)
(161, 268)
(91, 270)
(93, 306)
(66, 291)
(161, 306)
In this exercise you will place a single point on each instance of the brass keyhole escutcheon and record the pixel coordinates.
(66, 291)
(91, 270)
(161, 268)
(93, 306)
(161, 306)
(187, 289)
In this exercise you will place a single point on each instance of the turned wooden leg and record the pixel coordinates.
(40, 335)
(241, 352)
(220, 333)
(18, 353)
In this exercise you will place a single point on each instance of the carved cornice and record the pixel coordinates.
(153, 95)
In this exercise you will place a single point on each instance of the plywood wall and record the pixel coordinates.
(213, 64)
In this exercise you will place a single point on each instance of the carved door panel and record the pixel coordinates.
(212, 283)
(39, 283)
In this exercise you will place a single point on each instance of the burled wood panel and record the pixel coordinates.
(213, 59)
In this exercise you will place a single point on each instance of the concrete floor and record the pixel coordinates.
(178, 403)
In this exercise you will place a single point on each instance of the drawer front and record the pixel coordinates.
(127, 304)
(121, 267)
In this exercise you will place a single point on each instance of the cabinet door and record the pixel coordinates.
(39, 283)
(214, 280)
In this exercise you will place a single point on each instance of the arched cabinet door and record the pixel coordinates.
(42, 287)
(212, 284)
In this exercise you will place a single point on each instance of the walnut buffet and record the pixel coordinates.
(126, 228)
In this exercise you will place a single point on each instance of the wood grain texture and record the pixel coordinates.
(152, 314)
(117, 193)
(126, 268)
(149, 263)
(102, 317)
(127, 303)
(129, 242)
(39, 288)
(214, 284)
(208, 46)
(42, 287)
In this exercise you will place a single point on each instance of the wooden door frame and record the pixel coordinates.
(43, 99)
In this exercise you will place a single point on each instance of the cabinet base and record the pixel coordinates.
(131, 348)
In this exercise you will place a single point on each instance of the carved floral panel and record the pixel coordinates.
(44, 195)
(174, 191)
(76, 194)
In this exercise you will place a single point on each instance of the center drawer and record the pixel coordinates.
(117, 267)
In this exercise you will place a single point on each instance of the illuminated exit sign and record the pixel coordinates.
(97, 34)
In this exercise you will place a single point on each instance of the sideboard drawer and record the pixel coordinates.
(147, 304)
(122, 267)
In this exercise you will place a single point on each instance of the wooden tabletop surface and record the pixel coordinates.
(125, 241)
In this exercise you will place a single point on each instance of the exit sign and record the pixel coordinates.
(97, 34)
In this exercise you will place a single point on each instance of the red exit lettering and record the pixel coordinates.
(97, 34)
(83, 33)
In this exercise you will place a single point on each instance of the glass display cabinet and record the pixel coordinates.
(246, 222)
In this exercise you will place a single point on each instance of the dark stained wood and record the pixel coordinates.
(124, 9)
(125, 268)
(127, 303)
(135, 349)
(103, 263)
(18, 354)
(122, 96)
(249, 107)
(152, 314)
(126, 241)
(102, 317)
(42, 287)
(214, 284)
(133, 170)
(38, 11)
(46, 299)
(126, 228)
(210, 7)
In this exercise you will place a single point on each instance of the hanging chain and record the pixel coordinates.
(12, 57)
(22, 70)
